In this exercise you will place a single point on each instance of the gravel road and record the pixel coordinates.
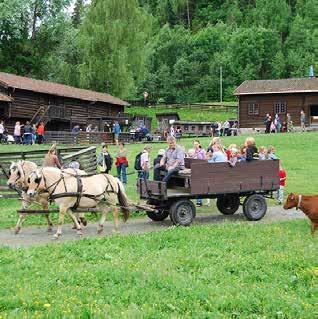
(37, 235)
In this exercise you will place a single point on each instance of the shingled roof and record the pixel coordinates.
(4, 98)
(297, 85)
(24, 83)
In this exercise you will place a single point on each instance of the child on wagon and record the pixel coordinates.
(251, 149)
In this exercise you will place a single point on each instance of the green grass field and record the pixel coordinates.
(298, 152)
(235, 270)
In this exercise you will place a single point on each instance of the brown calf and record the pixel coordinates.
(309, 206)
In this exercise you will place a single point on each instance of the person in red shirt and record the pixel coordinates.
(282, 183)
(40, 132)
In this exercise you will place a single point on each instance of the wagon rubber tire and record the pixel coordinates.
(228, 204)
(182, 212)
(158, 217)
(254, 207)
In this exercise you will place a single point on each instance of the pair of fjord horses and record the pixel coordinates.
(100, 191)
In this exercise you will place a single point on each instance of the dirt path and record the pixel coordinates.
(37, 235)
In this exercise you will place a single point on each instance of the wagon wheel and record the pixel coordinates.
(182, 212)
(157, 217)
(228, 204)
(254, 207)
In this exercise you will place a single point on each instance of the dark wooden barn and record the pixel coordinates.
(259, 97)
(59, 106)
(164, 120)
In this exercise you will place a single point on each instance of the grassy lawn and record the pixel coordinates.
(234, 270)
(185, 114)
(298, 152)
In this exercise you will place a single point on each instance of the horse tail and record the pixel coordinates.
(123, 200)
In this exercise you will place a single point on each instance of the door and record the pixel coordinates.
(314, 114)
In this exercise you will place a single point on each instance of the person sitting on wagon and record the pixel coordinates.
(219, 155)
(172, 160)
(51, 159)
(251, 149)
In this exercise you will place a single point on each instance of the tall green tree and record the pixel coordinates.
(113, 40)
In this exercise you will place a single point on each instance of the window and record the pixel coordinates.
(186, 127)
(200, 127)
(253, 109)
(280, 107)
(192, 128)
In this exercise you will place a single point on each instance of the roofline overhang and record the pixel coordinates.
(276, 92)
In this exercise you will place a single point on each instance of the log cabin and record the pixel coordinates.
(259, 97)
(59, 106)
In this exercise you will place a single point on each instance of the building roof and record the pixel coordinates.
(24, 83)
(5, 98)
(168, 114)
(296, 85)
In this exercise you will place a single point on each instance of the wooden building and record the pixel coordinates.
(164, 120)
(59, 106)
(194, 128)
(259, 97)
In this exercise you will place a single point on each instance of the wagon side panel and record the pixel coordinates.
(219, 178)
(151, 189)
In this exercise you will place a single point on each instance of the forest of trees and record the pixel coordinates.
(172, 48)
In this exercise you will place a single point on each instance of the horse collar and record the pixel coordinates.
(299, 202)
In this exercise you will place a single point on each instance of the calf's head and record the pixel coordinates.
(291, 201)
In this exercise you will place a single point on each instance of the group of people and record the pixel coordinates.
(26, 134)
(171, 160)
(277, 125)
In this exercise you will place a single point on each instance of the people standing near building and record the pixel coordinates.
(105, 160)
(17, 133)
(40, 132)
(268, 122)
(1, 131)
(51, 159)
(172, 131)
(226, 128)
(89, 128)
(34, 133)
(282, 183)
(289, 122)
(172, 161)
(116, 131)
(302, 120)
(145, 95)
(122, 163)
(277, 123)
(27, 136)
(145, 162)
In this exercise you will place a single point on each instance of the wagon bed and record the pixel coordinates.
(254, 180)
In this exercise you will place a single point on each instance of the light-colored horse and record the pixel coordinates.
(95, 189)
(18, 179)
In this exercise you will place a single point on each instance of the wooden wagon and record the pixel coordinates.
(250, 182)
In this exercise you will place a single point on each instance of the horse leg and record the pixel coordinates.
(102, 220)
(45, 205)
(76, 223)
(82, 219)
(25, 205)
(115, 216)
(60, 223)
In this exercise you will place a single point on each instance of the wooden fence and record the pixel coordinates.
(83, 138)
(86, 157)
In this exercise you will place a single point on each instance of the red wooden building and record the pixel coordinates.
(59, 106)
(259, 97)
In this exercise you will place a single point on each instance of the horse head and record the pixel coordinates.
(35, 182)
(18, 173)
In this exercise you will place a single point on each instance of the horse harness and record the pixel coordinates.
(79, 193)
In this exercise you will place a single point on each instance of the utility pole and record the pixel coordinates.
(221, 85)
(188, 14)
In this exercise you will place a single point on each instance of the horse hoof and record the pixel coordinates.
(79, 233)
(56, 236)
(49, 230)
(83, 221)
(99, 231)
(17, 230)
(74, 227)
